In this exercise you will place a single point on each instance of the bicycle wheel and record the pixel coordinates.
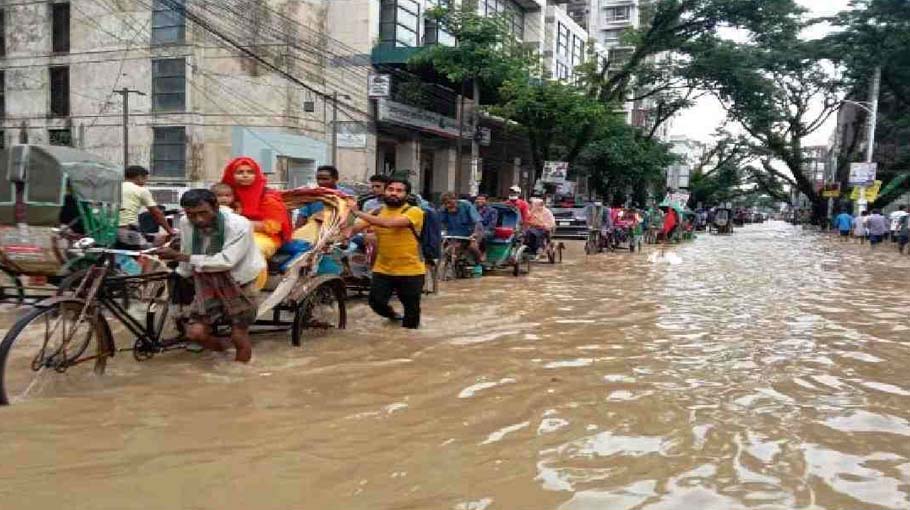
(51, 340)
(320, 313)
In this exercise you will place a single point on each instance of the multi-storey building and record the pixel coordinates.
(193, 101)
(690, 153)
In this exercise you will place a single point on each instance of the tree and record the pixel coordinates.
(876, 33)
(777, 89)
(718, 176)
(510, 78)
(622, 160)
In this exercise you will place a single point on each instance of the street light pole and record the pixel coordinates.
(873, 120)
(125, 96)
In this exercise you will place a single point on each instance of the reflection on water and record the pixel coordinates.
(763, 370)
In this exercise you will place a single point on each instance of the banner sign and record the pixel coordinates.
(831, 190)
(862, 174)
(555, 172)
(871, 192)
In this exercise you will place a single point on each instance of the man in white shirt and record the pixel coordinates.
(895, 219)
(218, 252)
(134, 197)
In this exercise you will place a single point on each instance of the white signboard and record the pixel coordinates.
(678, 197)
(555, 172)
(352, 135)
(397, 113)
(862, 174)
(379, 85)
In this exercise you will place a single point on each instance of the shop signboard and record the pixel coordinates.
(379, 85)
(352, 135)
(424, 120)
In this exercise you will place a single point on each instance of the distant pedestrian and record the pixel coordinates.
(877, 227)
(903, 232)
(859, 226)
(895, 219)
(843, 222)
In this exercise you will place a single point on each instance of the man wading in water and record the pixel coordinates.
(399, 267)
(219, 253)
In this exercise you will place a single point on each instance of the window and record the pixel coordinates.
(612, 36)
(168, 23)
(433, 34)
(169, 152)
(562, 40)
(618, 14)
(2, 94)
(60, 137)
(399, 23)
(2, 140)
(562, 71)
(60, 91)
(513, 13)
(578, 51)
(169, 85)
(60, 27)
(2, 33)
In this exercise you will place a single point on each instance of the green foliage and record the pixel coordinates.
(621, 159)
(771, 86)
(485, 52)
(877, 33)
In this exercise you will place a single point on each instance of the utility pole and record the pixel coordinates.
(335, 128)
(125, 97)
(870, 138)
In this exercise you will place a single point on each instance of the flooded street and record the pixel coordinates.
(764, 370)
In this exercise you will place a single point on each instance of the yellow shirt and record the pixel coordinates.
(134, 200)
(397, 250)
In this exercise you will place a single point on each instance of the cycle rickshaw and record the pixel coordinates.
(50, 197)
(71, 332)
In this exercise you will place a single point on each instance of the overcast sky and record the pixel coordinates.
(707, 115)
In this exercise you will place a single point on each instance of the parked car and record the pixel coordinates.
(571, 223)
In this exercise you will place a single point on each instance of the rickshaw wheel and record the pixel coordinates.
(320, 312)
(559, 249)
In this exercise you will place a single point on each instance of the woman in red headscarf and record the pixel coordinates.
(262, 206)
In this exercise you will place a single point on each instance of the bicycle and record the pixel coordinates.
(68, 332)
(455, 262)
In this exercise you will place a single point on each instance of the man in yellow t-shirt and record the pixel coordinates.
(399, 266)
(134, 198)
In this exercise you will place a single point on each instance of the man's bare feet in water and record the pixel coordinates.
(241, 339)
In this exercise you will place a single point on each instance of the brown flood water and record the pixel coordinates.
(767, 370)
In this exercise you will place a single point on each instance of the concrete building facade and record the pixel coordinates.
(194, 102)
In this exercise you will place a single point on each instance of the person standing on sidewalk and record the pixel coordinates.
(399, 267)
(877, 226)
